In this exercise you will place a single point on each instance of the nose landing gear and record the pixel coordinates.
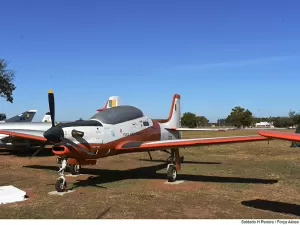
(61, 184)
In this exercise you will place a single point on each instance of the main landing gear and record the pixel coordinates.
(174, 165)
(168, 159)
(75, 169)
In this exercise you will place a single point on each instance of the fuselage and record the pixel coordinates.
(104, 138)
(142, 128)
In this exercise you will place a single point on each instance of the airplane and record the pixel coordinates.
(47, 118)
(7, 141)
(117, 130)
(26, 116)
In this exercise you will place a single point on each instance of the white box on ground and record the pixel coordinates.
(10, 194)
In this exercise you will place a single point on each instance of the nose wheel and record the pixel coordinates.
(61, 184)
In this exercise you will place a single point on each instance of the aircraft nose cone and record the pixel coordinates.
(54, 134)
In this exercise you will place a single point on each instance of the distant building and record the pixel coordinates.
(264, 124)
(213, 124)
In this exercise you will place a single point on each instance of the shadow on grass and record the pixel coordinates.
(26, 152)
(103, 213)
(273, 206)
(184, 162)
(102, 176)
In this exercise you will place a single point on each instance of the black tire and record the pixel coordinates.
(181, 159)
(75, 169)
(171, 173)
(59, 186)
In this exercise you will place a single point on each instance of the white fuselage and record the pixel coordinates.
(108, 133)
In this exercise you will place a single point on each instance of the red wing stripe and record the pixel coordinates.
(210, 141)
(25, 136)
(280, 135)
(182, 143)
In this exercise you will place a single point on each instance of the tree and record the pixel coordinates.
(283, 122)
(189, 119)
(2, 116)
(202, 121)
(240, 117)
(6, 82)
(295, 117)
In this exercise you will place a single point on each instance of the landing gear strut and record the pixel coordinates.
(170, 158)
(174, 165)
(61, 184)
(74, 169)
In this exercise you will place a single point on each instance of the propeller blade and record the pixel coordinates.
(51, 106)
(40, 149)
(74, 145)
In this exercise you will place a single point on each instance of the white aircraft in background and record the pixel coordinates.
(35, 127)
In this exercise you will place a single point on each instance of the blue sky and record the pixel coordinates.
(215, 54)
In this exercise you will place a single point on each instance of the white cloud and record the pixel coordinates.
(236, 63)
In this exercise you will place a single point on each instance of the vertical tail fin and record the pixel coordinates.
(47, 118)
(112, 101)
(175, 113)
(23, 117)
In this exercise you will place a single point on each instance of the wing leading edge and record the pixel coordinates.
(25, 134)
(280, 135)
(183, 143)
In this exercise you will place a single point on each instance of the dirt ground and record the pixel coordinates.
(245, 180)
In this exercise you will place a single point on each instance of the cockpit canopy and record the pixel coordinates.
(118, 114)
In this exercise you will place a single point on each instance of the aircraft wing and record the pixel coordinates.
(25, 134)
(200, 129)
(184, 143)
(280, 135)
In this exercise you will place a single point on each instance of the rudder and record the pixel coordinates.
(175, 113)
